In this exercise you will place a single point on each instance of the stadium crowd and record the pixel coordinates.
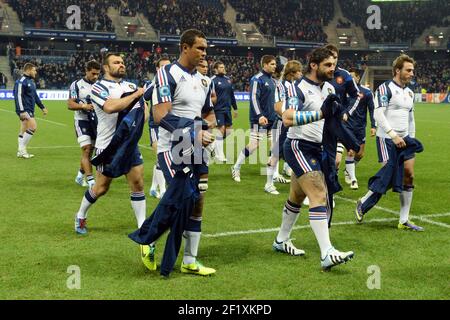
(172, 17)
(290, 20)
(433, 76)
(52, 14)
(397, 26)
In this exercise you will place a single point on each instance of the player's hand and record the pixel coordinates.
(263, 121)
(345, 117)
(373, 132)
(139, 92)
(399, 142)
(235, 114)
(45, 111)
(206, 137)
(88, 107)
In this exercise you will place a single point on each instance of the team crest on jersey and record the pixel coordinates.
(339, 80)
(164, 91)
(330, 91)
(131, 86)
(293, 102)
(410, 94)
(313, 162)
(204, 83)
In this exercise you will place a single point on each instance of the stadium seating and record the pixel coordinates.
(172, 17)
(401, 21)
(289, 20)
(52, 14)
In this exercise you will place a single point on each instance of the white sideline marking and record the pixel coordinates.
(244, 232)
(53, 147)
(422, 218)
(57, 123)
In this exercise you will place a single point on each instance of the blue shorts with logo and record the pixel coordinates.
(223, 118)
(120, 163)
(302, 156)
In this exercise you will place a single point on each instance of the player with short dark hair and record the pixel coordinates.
(25, 97)
(85, 120)
(346, 89)
(394, 113)
(113, 98)
(222, 108)
(181, 92)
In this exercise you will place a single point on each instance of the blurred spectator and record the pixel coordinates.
(3, 81)
(402, 21)
(173, 17)
(52, 14)
(290, 19)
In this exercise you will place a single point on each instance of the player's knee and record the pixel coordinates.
(203, 185)
(100, 190)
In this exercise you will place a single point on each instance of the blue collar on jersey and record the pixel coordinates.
(266, 73)
(310, 81)
(393, 81)
(185, 69)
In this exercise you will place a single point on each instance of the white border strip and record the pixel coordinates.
(57, 123)
(422, 218)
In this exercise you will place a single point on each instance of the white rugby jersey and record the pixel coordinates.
(307, 95)
(189, 93)
(397, 106)
(80, 90)
(103, 90)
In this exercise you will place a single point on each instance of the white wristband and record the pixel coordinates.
(392, 134)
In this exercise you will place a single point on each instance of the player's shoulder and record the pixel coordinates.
(365, 90)
(342, 72)
(257, 77)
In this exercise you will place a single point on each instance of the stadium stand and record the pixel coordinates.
(401, 21)
(171, 17)
(289, 20)
(52, 14)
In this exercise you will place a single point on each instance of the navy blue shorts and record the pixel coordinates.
(84, 128)
(120, 164)
(165, 163)
(384, 147)
(224, 118)
(302, 156)
(358, 131)
(154, 131)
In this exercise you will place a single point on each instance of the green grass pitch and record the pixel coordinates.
(38, 244)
